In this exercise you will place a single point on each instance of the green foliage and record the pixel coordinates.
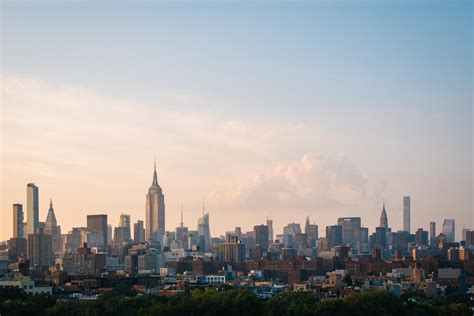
(123, 300)
(14, 301)
(292, 303)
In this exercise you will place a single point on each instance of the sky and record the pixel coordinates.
(267, 109)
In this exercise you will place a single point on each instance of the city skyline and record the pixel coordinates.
(204, 223)
(283, 111)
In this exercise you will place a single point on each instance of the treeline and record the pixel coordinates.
(126, 301)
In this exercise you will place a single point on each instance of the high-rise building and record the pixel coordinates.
(124, 220)
(98, 223)
(350, 229)
(18, 221)
(334, 235)
(231, 251)
(421, 237)
(51, 228)
(155, 211)
(466, 234)
(261, 236)
(40, 253)
(406, 213)
(122, 232)
(449, 230)
(270, 230)
(381, 237)
(383, 218)
(138, 232)
(432, 230)
(204, 233)
(311, 231)
(32, 208)
(109, 234)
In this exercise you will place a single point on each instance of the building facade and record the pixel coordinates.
(155, 211)
(32, 208)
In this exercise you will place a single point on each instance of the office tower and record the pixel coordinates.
(400, 242)
(40, 253)
(470, 238)
(138, 232)
(52, 228)
(122, 231)
(155, 211)
(406, 213)
(231, 251)
(466, 235)
(181, 233)
(122, 234)
(334, 235)
(270, 230)
(381, 237)
(260, 233)
(18, 221)
(421, 237)
(109, 234)
(449, 230)
(432, 230)
(98, 223)
(76, 239)
(383, 218)
(350, 229)
(17, 248)
(311, 231)
(32, 208)
(124, 220)
(204, 233)
(93, 238)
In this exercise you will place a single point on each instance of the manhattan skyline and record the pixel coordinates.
(315, 109)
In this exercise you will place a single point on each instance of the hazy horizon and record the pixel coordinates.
(279, 110)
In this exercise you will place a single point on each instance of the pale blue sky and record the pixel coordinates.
(388, 84)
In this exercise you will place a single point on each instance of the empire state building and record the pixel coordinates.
(155, 211)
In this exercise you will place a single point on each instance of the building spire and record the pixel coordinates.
(155, 177)
(182, 215)
(50, 202)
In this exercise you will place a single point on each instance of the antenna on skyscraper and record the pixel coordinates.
(203, 206)
(181, 215)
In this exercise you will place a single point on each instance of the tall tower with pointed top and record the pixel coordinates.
(51, 228)
(383, 218)
(155, 211)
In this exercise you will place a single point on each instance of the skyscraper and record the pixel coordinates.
(204, 232)
(406, 213)
(350, 229)
(124, 220)
(138, 232)
(334, 235)
(260, 233)
(311, 231)
(32, 208)
(18, 221)
(98, 223)
(449, 229)
(40, 253)
(383, 218)
(270, 230)
(51, 228)
(432, 230)
(123, 232)
(155, 211)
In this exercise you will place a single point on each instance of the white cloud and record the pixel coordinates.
(310, 183)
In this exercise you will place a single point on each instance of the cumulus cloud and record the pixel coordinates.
(310, 183)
